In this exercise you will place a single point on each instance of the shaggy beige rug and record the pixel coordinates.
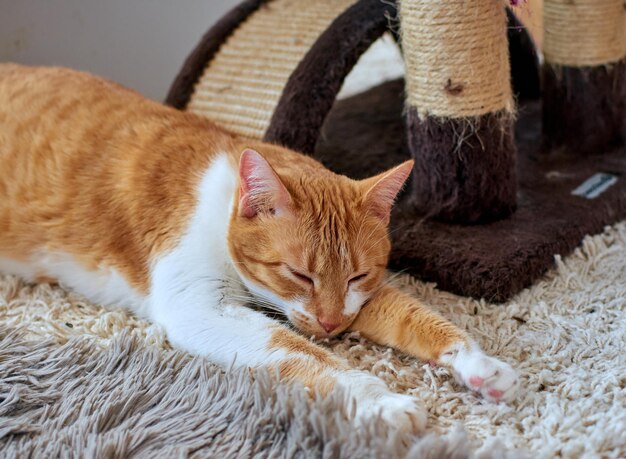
(76, 379)
(128, 399)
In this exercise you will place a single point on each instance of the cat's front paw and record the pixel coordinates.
(372, 398)
(399, 410)
(495, 380)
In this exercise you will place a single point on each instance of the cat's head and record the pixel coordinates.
(314, 245)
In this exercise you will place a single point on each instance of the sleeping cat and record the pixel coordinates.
(132, 203)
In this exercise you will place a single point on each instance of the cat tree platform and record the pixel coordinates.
(522, 192)
(366, 134)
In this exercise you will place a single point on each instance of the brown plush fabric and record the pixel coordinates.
(365, 134)
(464, 168)
(584, 108)
(313, 86)
(182, 88)
(346, 149)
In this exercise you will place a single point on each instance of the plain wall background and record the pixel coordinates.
(138, 43)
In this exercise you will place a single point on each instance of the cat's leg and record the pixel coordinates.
(196, 320)
(395, 319)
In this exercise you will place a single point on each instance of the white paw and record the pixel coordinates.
(495, 380)
(402, 411)
(372, 398)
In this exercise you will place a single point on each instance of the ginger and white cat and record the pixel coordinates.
(132, 203)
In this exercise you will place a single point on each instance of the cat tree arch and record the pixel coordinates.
(491, 198)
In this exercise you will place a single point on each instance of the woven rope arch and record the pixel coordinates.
(243, 84)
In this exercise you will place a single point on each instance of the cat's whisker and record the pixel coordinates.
(255, 301)
(372, 246)
(389, 279)
(368, 242)
(372, 231)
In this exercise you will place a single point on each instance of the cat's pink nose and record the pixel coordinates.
(327, 325)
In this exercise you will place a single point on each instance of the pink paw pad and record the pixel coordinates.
(495, 393)
(476, 381)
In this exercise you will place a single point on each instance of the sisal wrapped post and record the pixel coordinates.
(460, 108)
(584, 76)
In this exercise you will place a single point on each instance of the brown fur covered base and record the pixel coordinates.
(584, 108)
(464, 168)
(365, 134)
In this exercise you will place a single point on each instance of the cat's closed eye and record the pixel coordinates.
(357, 278)
(303, 278)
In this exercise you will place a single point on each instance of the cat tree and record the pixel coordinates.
(495, 192)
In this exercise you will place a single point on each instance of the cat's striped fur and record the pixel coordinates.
(136, 204)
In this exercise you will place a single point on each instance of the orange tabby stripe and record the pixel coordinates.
(397, 320)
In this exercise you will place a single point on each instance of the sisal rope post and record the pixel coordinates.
(584, 76)
(460, 108)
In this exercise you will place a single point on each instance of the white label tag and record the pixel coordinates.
(595, 185)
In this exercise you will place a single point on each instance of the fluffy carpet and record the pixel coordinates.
(129, 399)
(79, 380)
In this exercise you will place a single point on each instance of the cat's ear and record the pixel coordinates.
(260, 188)
(382, 189)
